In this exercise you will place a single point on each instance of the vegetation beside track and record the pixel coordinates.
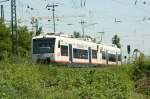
(27, 80)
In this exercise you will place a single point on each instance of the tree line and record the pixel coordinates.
(24, 46)
(25, 38)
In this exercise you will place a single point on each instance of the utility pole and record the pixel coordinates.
(2, 14)
(35, 25)
(82, 26)
(102, 33)
(53, 9)
(14, 28)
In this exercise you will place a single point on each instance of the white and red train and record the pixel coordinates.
(61, 49)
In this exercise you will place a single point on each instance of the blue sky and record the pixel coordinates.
(132, 29)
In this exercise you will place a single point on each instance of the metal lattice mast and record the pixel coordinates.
(14, 28)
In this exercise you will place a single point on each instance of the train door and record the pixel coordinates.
(70, 53)
(90, 53)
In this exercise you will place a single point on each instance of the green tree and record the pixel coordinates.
(24, 41)
(76, 34)
(116, 41)
(24, 46)
(5, 41)
(92, 39)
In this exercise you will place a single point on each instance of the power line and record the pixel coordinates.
(127, 4)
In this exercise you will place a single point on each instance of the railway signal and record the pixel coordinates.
(125, 58)
(129, 51)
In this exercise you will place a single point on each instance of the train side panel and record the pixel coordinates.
(71, 50)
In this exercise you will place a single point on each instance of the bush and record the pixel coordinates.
(24, 45)
(30, 80)
(141, 75)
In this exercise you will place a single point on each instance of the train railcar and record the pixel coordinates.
(62, 49)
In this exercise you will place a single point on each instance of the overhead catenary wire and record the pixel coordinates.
(130, 5)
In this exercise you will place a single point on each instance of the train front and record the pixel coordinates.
(43, 48)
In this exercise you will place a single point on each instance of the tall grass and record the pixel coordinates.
(141, 75)
(28, 80)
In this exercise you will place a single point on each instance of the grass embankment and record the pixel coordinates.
(28, 80)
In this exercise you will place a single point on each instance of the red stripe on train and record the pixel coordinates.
(61, 61)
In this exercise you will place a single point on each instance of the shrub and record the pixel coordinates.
(30, 80)
(141, 75)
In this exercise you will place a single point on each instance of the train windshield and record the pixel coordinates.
(44, 45)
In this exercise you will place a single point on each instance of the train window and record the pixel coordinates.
(43, 45)
(79, 53)
(59, 44)
(112, 57)
(64, 50)
(94, 53)
(103, 55)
